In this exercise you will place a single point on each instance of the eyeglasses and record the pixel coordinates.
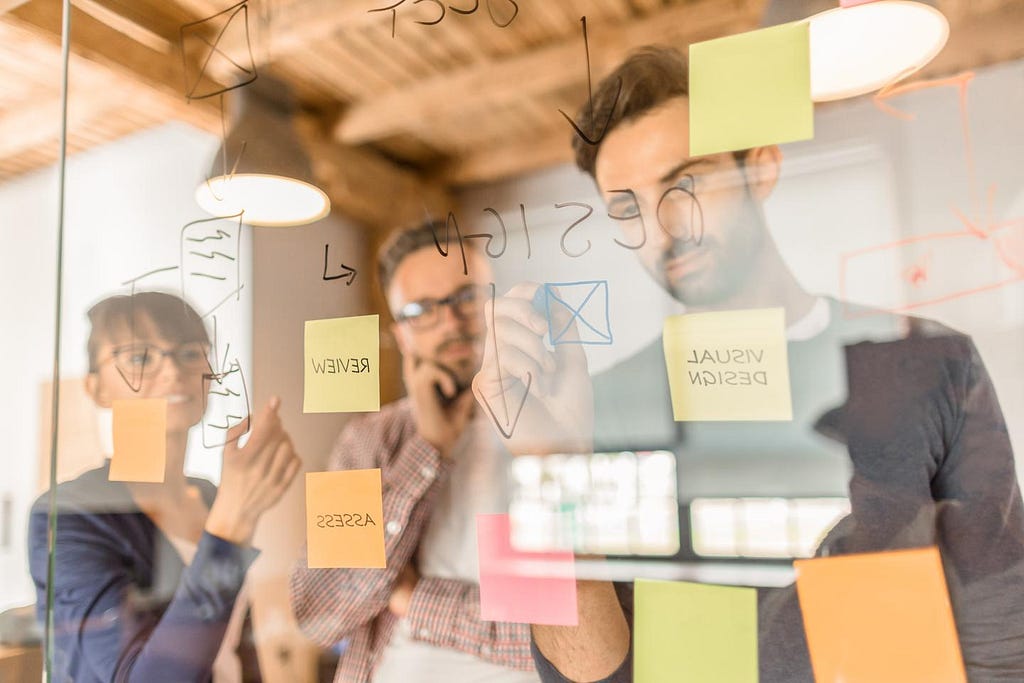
(135, 361)
(465, 303)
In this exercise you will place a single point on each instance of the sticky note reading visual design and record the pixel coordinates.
(694, 632)
(728, 365)
(879, 618)
(344, 519)
(751, 89)
(342, 365)
(523, 587)
(140, 440)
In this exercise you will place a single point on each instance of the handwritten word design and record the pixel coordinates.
(678, 202)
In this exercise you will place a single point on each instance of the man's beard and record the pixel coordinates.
(463, 369)
(731, 261)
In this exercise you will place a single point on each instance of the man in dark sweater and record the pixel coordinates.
(897, 414)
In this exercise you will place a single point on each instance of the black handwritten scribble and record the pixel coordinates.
(449, 223)
(438, 18)
(224, 173)
(490, 238)
(228, 404)
(209, 253)
(687, 187)
(348, 272)
(594, 137)
(234, 293)
(589, 211)
(636, 216)
(508, 427)
(220, 234)
(241, 68)
(212, 255)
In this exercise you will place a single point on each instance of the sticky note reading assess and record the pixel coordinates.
(140, 440)
(728, 365)
(751, 89)
(344, 519)
(342, 368)
(694, 632)
(523, 587)
(879, 618)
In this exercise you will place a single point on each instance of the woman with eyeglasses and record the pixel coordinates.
(146, 575)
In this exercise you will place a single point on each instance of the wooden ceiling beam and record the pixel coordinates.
(541, 71)
(127, 60)
(368, 188)
(507, 159)
(304, 22)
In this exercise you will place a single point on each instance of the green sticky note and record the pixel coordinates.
(694, 632)
(342, 365)
(751, 89)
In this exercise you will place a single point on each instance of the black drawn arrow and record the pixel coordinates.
(350, 273)
(510, 423)
(590, 91)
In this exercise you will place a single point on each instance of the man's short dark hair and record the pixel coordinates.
(650, 76)
(405, 241)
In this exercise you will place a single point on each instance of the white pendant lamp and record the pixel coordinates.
(859, 49)
(262, 168)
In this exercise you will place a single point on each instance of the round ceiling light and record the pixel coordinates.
(859, 49)
(267, 200)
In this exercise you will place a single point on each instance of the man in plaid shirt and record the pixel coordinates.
(418, 620)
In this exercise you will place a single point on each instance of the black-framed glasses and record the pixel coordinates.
(465, 303)
(136, 361)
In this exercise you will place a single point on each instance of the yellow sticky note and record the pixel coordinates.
(140, 440)
(751, 89)
(879, 618)
(344, 519)
(694, 632)
(728, 365)
(342, 366)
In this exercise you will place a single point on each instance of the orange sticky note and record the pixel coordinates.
(344, 519)
(879, 618)
(140, 440)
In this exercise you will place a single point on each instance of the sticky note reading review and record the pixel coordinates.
(728, 365)
(342, 365)
(751, 89)
(344, 519)
(140, 440)
(694, 632)
(879, 618)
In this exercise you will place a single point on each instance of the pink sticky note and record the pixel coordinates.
(523, 587)
(854, 3)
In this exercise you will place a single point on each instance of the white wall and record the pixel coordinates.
(126, 204)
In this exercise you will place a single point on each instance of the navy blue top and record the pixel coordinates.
(126, 608)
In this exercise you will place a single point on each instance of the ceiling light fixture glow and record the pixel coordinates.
(856, 50)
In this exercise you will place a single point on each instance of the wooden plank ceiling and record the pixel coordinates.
(391, 108)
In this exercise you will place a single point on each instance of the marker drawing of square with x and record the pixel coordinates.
(586, 303)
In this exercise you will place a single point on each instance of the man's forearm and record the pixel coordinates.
(595, 648)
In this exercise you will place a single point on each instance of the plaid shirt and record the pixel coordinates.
(333, 604)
